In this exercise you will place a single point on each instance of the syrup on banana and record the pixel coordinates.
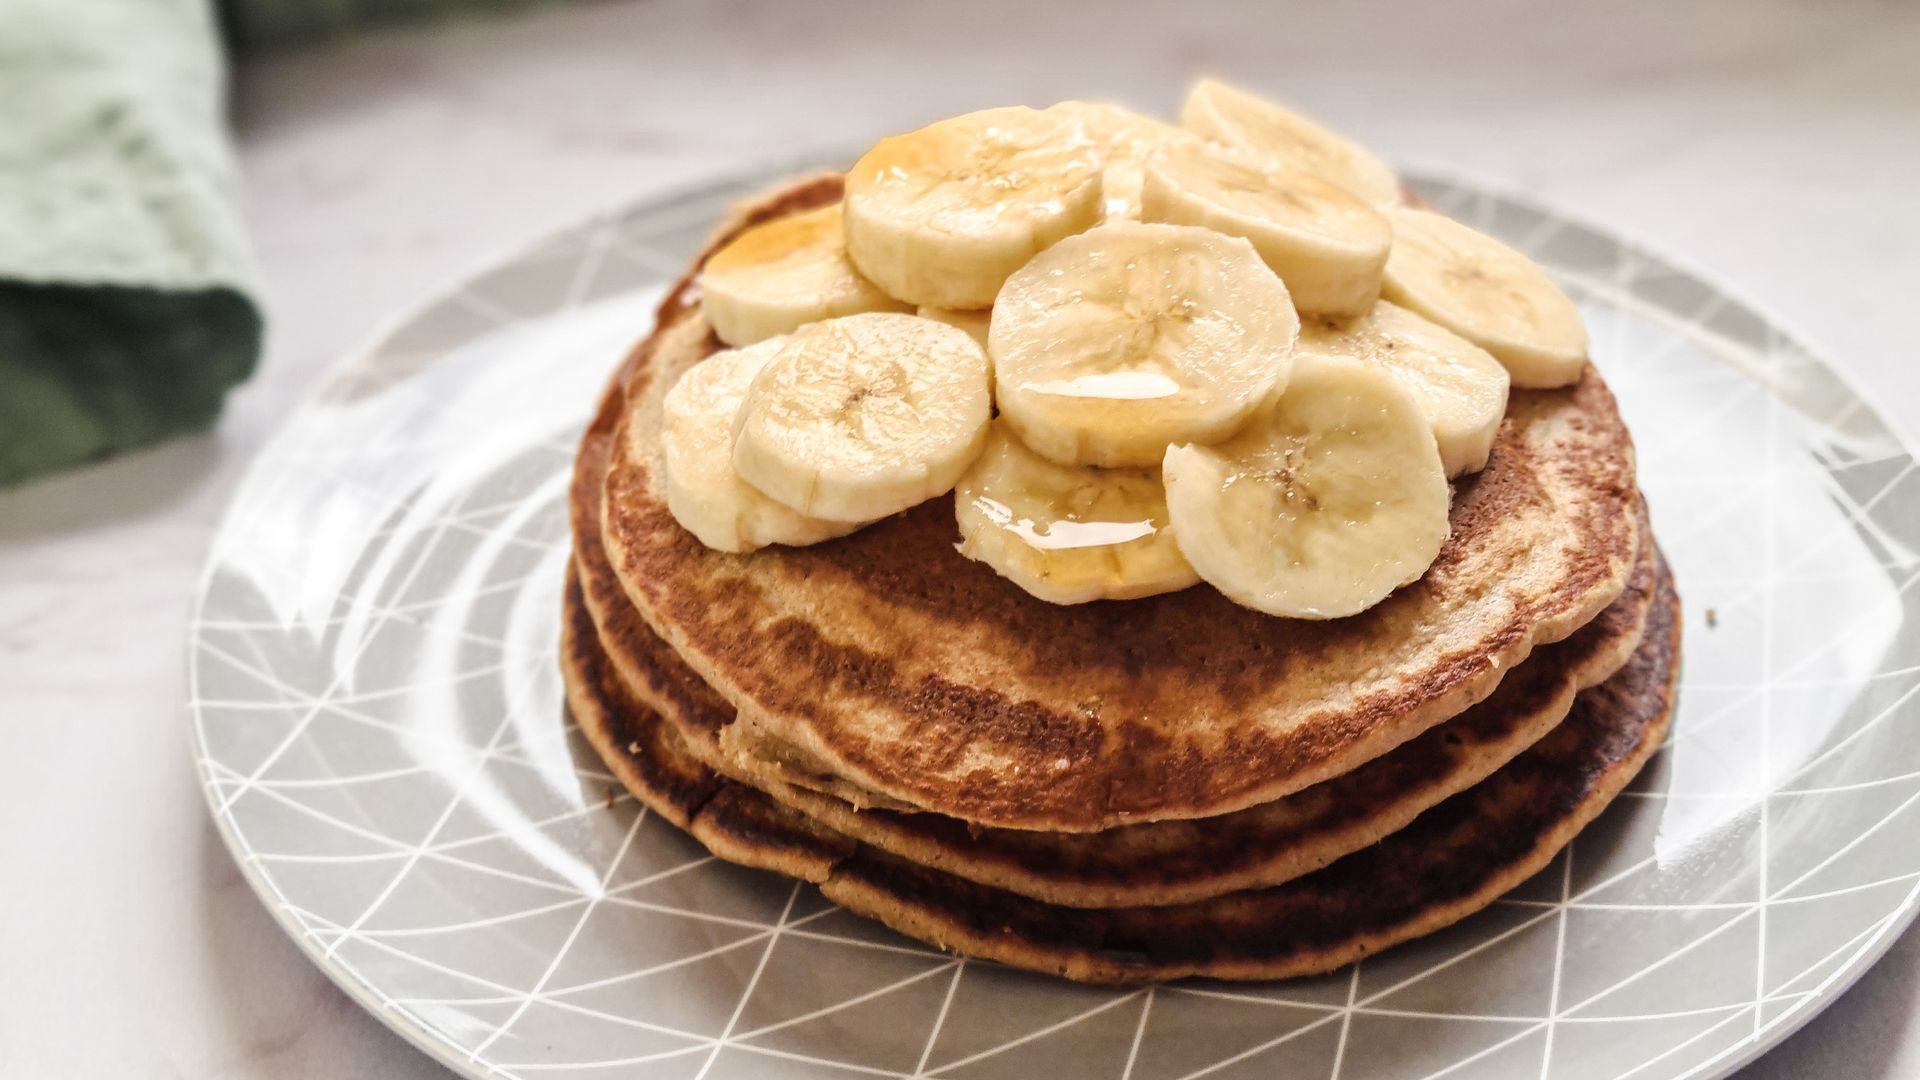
(1067, 534)
(1112, 344)
(778, 276)
(941, 216)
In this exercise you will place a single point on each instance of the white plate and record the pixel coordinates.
(377, 717)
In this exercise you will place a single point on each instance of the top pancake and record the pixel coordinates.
(890, 662)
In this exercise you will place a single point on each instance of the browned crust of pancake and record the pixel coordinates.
(1169, 710)
(1169, 862)
(1450, 862)
(649, 760)
(1151, 863)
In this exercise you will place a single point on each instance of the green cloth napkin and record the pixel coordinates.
(125, 287)
(126, 297)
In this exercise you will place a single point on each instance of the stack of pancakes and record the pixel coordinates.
(1123, 791)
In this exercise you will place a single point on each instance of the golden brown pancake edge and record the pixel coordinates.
(1451, 861)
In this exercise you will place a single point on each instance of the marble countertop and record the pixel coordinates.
(1769, 144)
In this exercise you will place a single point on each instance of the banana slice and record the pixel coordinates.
(1489, 294)
(1120, 132)
(1239, 119)
(1121, 185)
(1126, 141)
(704, 493)
(1320, 507)
(973, 322)
(1112, 344)
(942, 215)
(1067, 534)
(1328, 246)
(1458, 386)
(781, 275)
(863, 416)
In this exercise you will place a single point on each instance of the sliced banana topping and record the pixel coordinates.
(1459, 387)
(1239, 119)
(704, 493)
(1120, 132)
(1489, 294)
(783, 274)
(1126, 141)
(1121, 185)
(1067, 534)
(863, 416)
(941, 216)
(1128, 295)
(973, 322)
(1328, 246)
(1321, 506)
(1114, 343)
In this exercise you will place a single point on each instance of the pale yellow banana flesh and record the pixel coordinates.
(1126, 140)
(1251, 123)
(941, 216)
(973, 322)
(1489, 294)
(1460, 388)
(1114, 343)
(704, 492)
(780, 275)
(1321, 506)
(1067, 534)
(863, 416)
(1122, 186)
(1327, 245)
(1120, 132)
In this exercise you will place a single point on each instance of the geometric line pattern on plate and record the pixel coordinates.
(378, 732)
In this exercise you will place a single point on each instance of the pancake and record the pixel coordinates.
(1449, 862)
(907, 674)
(1151, 863)
(734, 821)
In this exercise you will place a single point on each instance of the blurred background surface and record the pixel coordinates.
(1771, 145)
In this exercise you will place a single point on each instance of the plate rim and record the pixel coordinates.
(1417, 172)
